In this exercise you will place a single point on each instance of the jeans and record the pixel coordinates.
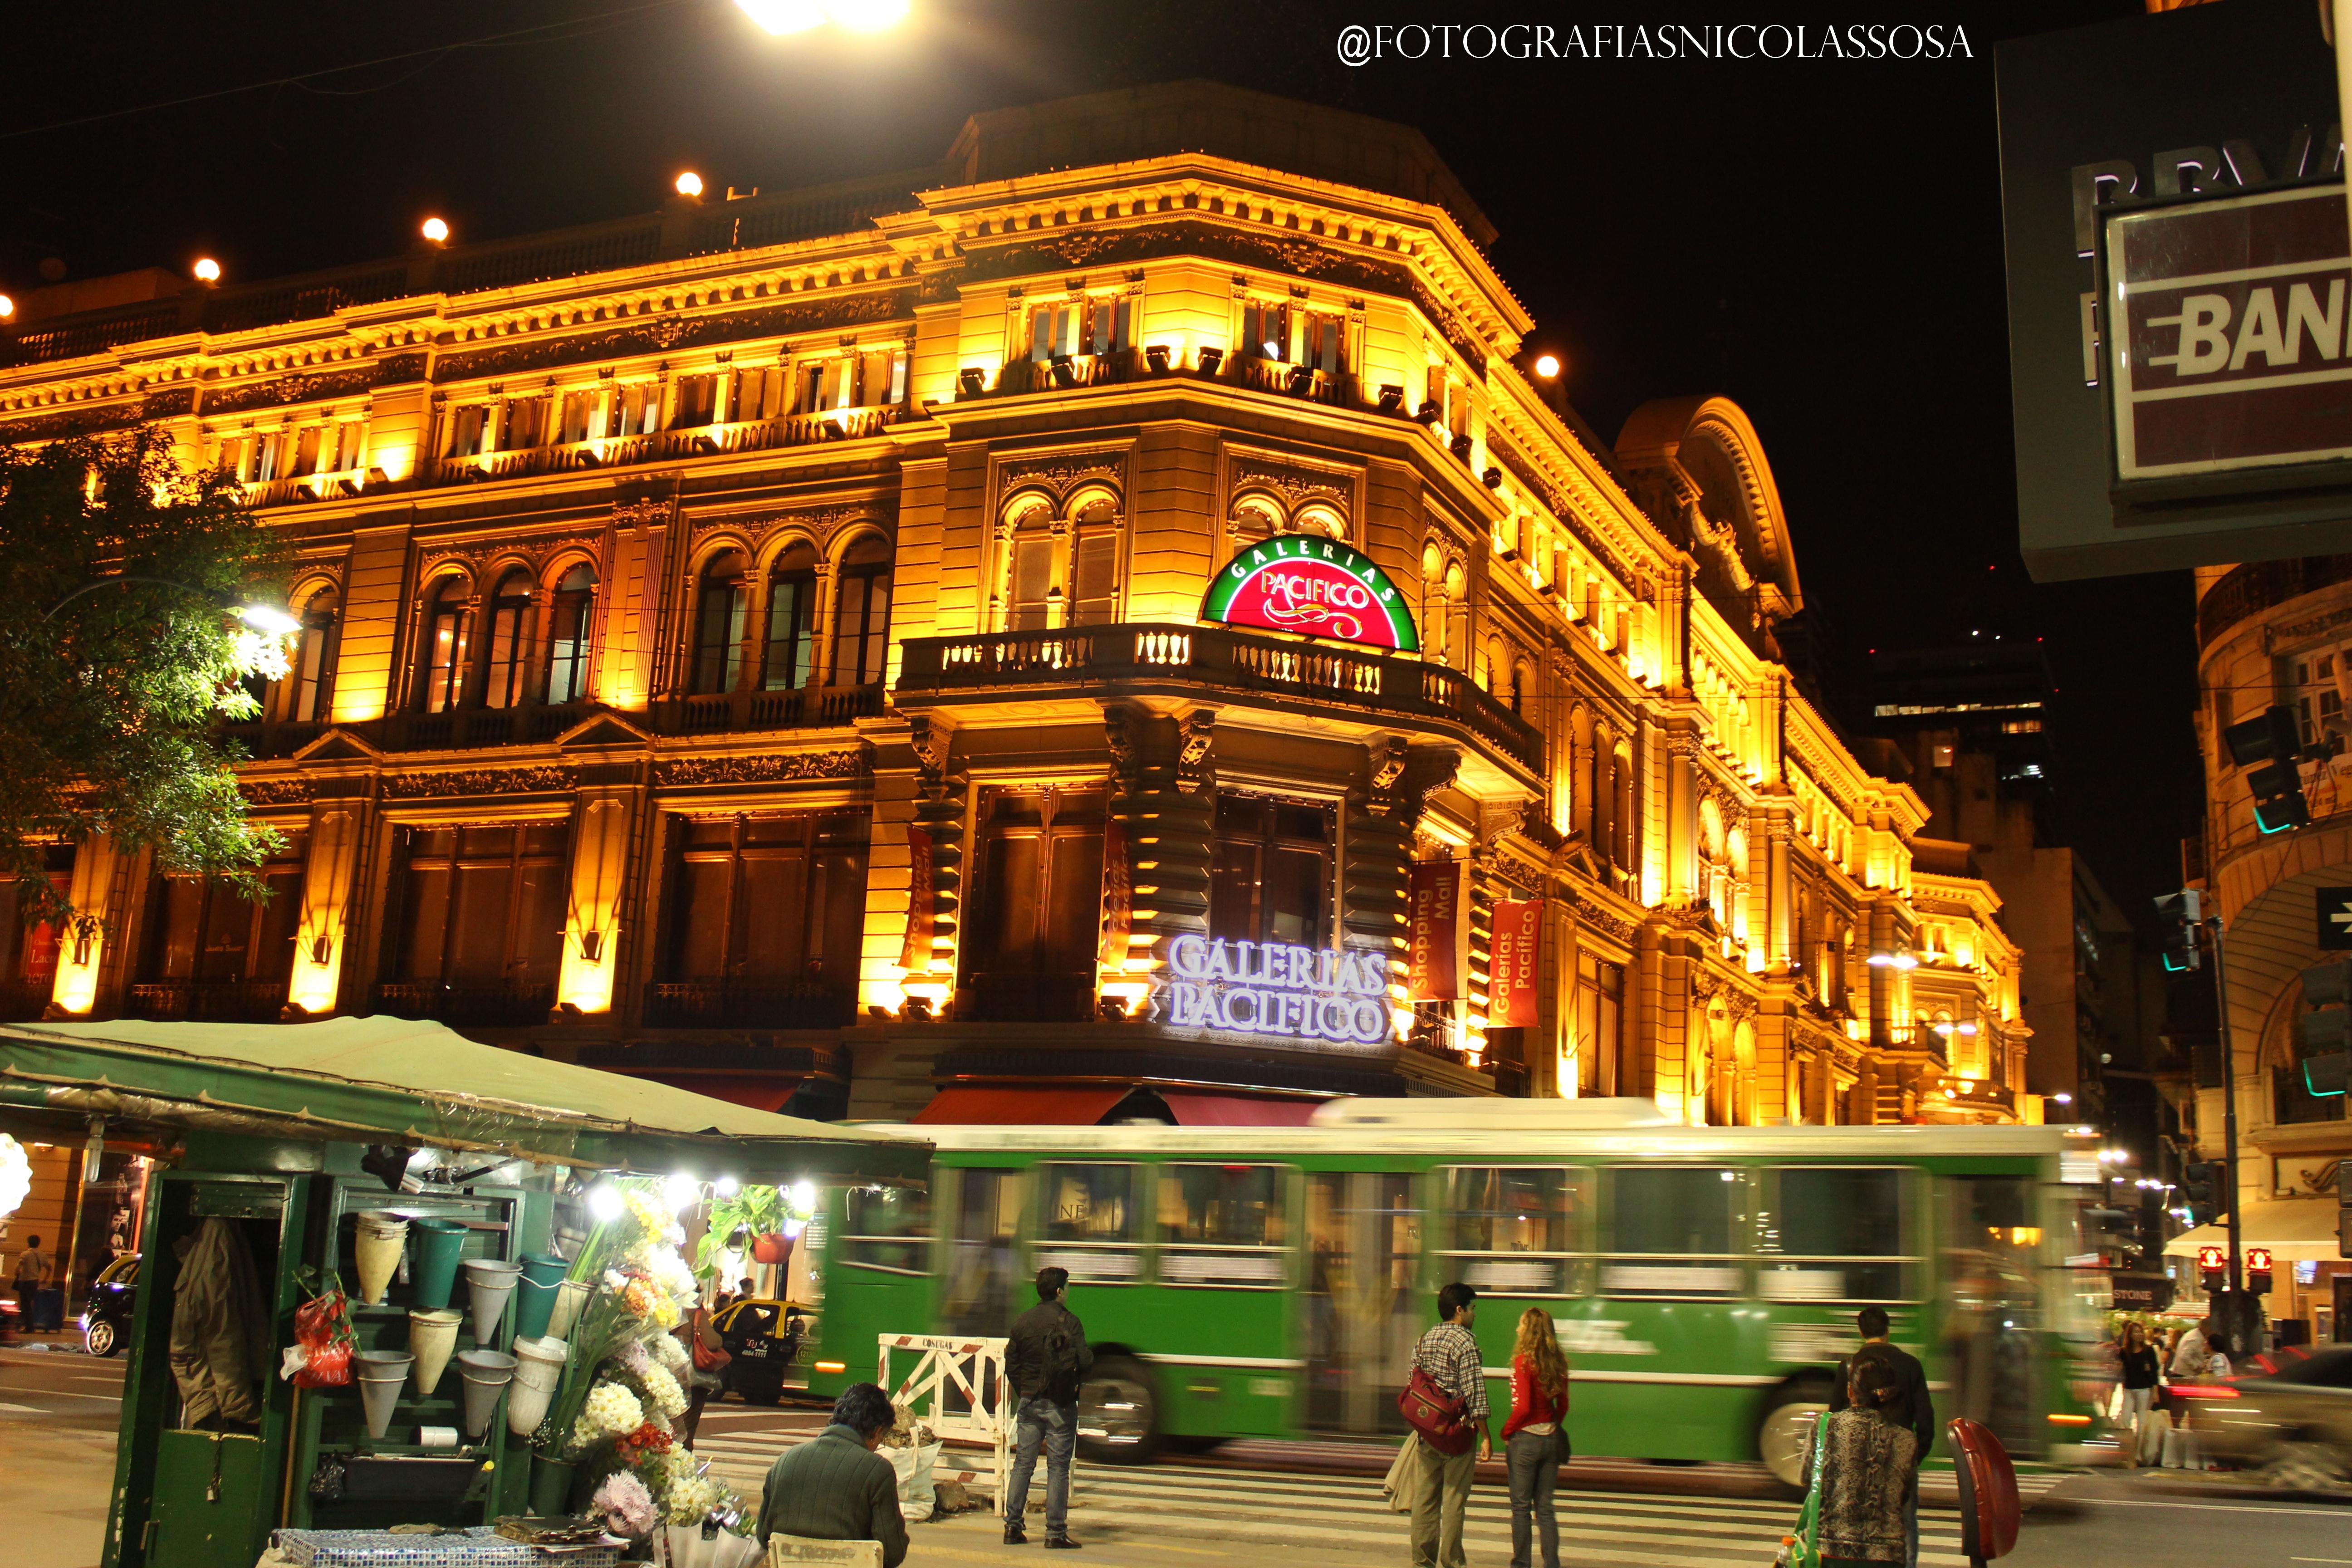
(1042, 1421)
(1438, 1507)
(1535, 1472)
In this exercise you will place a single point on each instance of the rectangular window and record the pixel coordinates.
(861, 646)
(1036, 920)
(698, 401)
(465, 428)
(888, 1228)
(1673, 1231)
(1323, 341)
(1270, 873)
(1087, 1224)
(1222, 1224)
(526, 425)
(579, 415)
(766, 919)
(791, 630)
(759, 394)
(1521, 1232)
(1095, 601)
(350, 447)
(482, 911)
(1032, 585)
(1836, 1234)
(306, 449)
(983, 1208)
(1600, 1005)
(636, 410)
(808, 388)
(219, 952)
(1265, 329)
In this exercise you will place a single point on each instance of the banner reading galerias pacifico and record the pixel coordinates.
(1519, 937)
(1433, 968)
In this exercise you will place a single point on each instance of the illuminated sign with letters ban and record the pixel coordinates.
(1316, 587)
(1268, 988)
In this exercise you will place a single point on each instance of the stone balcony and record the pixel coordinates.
(1138, 658)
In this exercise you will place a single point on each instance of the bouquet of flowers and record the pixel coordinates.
(321, 1355)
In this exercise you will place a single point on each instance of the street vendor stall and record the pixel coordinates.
(376, 1251)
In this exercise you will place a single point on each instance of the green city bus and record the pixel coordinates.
(1271, 1281)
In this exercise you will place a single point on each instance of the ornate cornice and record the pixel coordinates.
(483, 781)
(673, 329)
(767, 767)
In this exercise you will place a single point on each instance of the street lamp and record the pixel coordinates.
(434, 231)
(260, 618)
(689, 184)
(782, 17)
(207, 270)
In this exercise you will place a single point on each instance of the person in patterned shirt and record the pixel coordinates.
(1449, 1353)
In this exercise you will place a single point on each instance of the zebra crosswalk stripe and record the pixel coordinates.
(1633, 1529)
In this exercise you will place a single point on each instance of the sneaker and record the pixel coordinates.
(1060, 1543)
(1016, 1536)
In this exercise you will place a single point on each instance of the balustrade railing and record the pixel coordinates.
(499, 1005)
(1220, 655)
(207, 1001)
(748, 1004)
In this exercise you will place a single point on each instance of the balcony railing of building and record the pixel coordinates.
(1157, 362)
(748, 1004)
(532, 724)
(207, 1001)
(515, 1004)
(667, 445)
(24, 1001)
(801, 707)
(1219, 657)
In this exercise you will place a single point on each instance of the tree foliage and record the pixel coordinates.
(109, 703)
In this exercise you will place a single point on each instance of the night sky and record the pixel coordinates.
(1819, 240)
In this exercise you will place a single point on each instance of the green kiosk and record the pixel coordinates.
(287, 1134)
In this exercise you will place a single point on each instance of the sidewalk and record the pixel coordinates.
(60, 1483)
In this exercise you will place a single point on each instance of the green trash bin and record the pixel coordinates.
(435, 1243)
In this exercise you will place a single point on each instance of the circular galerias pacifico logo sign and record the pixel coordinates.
(1314, 588)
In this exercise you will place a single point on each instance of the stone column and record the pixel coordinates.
(941, 811)
(603, 830)
(339, 826)
(1168, 809)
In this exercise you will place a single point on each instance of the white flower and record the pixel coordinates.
(610, 1411)
(671, 1353)
(692, 1497)
(662, 1391)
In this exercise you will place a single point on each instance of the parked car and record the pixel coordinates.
(105, 1318)
(2288, 1402)
(764, 1338)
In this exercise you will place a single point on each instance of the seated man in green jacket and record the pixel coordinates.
(837, 1488)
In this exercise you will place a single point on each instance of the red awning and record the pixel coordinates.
(1041, 1107)
(1236, 1111)
(759, 1090)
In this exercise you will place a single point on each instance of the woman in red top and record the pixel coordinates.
(1536, 1437)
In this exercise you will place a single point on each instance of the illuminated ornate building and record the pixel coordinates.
(2278, 633)
(770, 645)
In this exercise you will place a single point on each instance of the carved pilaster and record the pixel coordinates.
(1196, 763)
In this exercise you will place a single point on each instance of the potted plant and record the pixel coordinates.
(760, 1211)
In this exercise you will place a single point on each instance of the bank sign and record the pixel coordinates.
(1270, 988)
(1315, 587)
(2230, 350)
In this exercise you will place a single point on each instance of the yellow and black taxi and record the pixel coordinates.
(764, 1338)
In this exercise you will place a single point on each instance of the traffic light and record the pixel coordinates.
(2199, 1185)
(2267, 745)
(2258, 1270)
(2212, 1266)
(2325, 1035)
(2178, 914)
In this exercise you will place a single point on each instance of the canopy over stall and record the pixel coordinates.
(376, 1079)
(2294, 1230)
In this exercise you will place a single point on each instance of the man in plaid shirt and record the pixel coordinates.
(1449, 1353)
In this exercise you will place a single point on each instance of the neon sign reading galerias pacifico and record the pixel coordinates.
(1269, 988)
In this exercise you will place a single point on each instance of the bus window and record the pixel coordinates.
(1518, 1230)
(1364, 1307)
(982, 1251)
(1222, 1224)
(888, 1227)
(1671, 1230)
(1991, 1291)
(1089, 1223)
(1836, 1234)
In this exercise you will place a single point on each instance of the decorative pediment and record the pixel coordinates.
(602, 729)
(338, 746)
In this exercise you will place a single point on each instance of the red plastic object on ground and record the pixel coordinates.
(1988, 1482)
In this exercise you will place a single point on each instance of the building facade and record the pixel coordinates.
(769, 646)
(2276, 633)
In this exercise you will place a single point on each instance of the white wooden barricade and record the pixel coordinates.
(972, 1368)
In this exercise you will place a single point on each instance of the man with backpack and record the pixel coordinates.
(1447, 1359)
(34, 1271)
(1043, 1360)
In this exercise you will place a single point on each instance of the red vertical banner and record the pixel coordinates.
(1118, 897)
(1433, 972)
(1519, 941)
(915, 957)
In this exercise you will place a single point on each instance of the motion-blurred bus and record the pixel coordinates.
(1271, 1282)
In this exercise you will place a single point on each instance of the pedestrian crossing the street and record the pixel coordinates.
(1348, 1514)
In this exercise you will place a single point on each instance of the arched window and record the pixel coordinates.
(445, 646)
(314, 659)
(1256, 518)
(1094, 569)
(792, 619)
(861, 622)
(1028, 567)
(510, 638)
(570, 630)
(718, 623)
(1323, 519)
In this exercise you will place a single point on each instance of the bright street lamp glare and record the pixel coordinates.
(783, 16)
(1547, 365)
(436, 230)
(7, 307)
(689, 184)
(207, 269)
(263, 618)
(867, 16)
